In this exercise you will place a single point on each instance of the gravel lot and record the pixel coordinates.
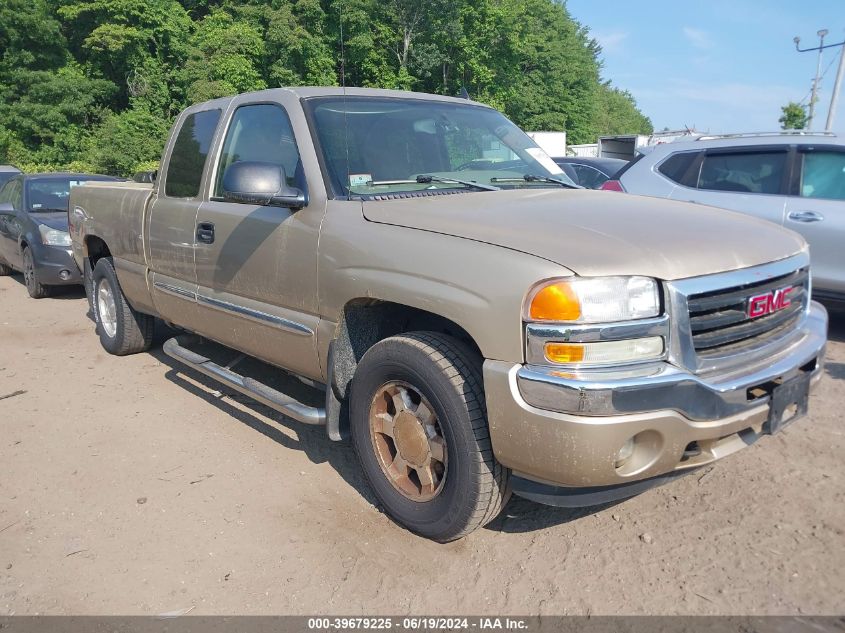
(130, 487)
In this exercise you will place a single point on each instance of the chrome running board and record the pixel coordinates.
(258, 391)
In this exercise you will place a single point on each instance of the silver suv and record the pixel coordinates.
(795, 179)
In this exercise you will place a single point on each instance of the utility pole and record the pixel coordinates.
(837, 86)
(816, 82)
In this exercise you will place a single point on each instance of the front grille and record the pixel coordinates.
(719, 320)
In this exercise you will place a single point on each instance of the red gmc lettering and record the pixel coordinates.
(761, 305)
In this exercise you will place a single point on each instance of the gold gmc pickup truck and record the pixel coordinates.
(475, 322)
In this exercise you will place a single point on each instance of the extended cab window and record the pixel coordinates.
(823, 175)
(744, 172)
(187, 159)
(261, 133)
(681, 168)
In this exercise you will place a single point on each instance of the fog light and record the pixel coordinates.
(625, 453)
(64, 275)
(605, 352)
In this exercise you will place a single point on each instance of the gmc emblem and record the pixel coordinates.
(761, 305)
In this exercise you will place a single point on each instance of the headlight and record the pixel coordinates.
(594, 300)
(53, 237)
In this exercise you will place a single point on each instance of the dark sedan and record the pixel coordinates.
(34, 230)
(590, 172)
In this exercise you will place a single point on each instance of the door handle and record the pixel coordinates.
(205, 232)
(805, 216)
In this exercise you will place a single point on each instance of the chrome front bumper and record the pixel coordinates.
(566, 428)
(664, 386)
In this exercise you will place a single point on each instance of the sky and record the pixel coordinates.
(717, 65)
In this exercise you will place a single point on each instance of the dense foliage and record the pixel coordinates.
(794, 116)
(95, 84)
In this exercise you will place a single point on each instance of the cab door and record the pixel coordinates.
(172, 218)
(817, 211)
(257, 266)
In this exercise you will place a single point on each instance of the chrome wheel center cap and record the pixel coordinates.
(411, 440)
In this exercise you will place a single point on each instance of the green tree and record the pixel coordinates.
(618, 113)
(793, 117)
(124, 142)
(223, 58)
(96, 83)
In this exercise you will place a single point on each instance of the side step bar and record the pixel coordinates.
(249, 387)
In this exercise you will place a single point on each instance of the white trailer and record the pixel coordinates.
(625, 146)
(553, 143)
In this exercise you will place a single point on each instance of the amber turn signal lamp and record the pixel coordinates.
(555, 302)
(564, 352)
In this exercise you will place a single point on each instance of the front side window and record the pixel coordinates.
(589, 177)
(189, 153)
(823, 175)
(6, 176)
(260, 133)
(376, 146)
(752, 172)
(11, 193)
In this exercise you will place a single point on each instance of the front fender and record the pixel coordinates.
(479, 286)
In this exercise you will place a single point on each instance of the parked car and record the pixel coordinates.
(7, 172)
(33, 230)
(589, 172)
(476, 323)
(794, 180)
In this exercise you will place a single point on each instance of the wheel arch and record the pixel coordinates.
(94, 248)
(362, 323)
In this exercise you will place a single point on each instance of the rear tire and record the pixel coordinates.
(122, 329)
(34, 287)
(419, 427)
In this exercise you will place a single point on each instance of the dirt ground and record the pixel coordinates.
(130, 487)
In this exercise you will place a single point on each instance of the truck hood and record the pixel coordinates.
(595, 233)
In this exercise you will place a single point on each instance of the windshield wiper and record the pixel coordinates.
(534, 178)
(427, 178)
(47, 210)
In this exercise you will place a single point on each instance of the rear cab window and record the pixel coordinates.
(189, 154)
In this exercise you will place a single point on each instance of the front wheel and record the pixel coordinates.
(419, 428)
(34, 287)
(122, 329)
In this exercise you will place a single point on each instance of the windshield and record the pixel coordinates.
(377, 146)
(44, 195)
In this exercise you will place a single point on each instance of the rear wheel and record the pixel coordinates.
(419, 427)
(122, 330)
(34, 287)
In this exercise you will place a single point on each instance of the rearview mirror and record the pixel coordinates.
(263, 184)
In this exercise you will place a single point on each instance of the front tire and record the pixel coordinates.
(122, 329)
(419, 427)
(34, 287)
